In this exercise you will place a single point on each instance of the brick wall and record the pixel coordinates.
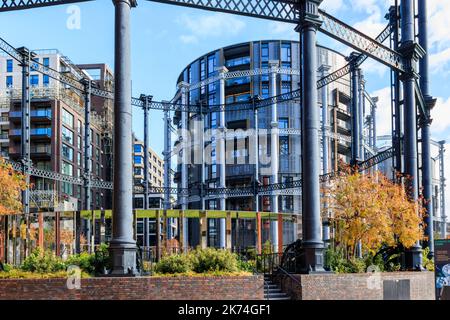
(145, 288)
(363, 286)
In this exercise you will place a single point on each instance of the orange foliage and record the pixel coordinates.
(11, 185)
(373, 210)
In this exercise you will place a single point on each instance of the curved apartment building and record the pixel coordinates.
(238, 73)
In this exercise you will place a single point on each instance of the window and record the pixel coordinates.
(34, 80)
(67, 118)
(138, 171)
(137, 148)
(265, 77)
(97, 139)
(67, 135)
(284, 146)
(238, 81)
(97, 154)
(211, 64)
(286, 77)
(213, 120)
(9, 65)
(67, 168)
(67, 152)
(67, 188)
(237, 61)
(283, 123)
(97, 169)
(265, 52)
(137, 159)
(286, 52)
(79, 158)
(265, 91)
(46, 62)
(154, 159)
(33, 65)
(285, 87)
(9, 81)
(159, 163)
(79, 143)
(138, 203)
(45, 80)
(79, 125)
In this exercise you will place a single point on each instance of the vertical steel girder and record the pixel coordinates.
(361, 103)
(167, 169)
(26, 57)
(274, 140)
(87, 158)
(146, 100)
(123, 245)
(311, 223)
(184, 162)
(221, 154)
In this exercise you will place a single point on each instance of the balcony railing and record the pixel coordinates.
(33, 132)
(47, 113)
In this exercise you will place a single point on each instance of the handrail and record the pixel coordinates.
(291, 278)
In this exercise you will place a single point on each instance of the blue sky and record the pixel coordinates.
(167, 38)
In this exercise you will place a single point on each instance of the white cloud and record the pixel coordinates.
(333, 6)
(440, 116)
(383, 111)
(212, 25)
(188, 39)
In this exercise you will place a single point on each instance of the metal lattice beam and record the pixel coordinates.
(10, 5)
(265, 9)
(383, 36)
(359, 41)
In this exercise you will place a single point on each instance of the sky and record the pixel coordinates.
(165, 39)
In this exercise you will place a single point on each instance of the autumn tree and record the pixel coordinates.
(374, 210)
(12, 183)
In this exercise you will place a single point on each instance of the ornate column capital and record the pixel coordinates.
(309, 14)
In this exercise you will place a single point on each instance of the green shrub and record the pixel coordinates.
(83, 260)
(43, 262)
(427, 262)
(20, 274)
(102, 259)
(178, 263)
(248, 266)
(210, 259)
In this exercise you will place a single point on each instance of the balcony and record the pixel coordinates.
(240, 170)
(4, 137)
(4, 120)
(35, 115)
(36, 133)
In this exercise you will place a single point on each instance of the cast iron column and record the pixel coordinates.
(221, 154)
(361, 107)
(25, 135)
(122, 245)
(411, 52)
(274, 150)
(324, 70)
(25, 126)
(183, 86)
(312, 239)
(425, 124)
(167, 167)
(146, 100)
(356, 142)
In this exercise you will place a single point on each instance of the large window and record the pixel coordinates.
(9, 65)
(9, 81)
(67, 135)
(284, 146)
(237, 61)
(286, 52)
(34, 80)
(46, 62)
(211, 64)
(67, 168)
(67, 118)
(203, 74)
(283, 123)
(67, 152)
(137, 148)
(265, 52)
(238, 81)
(138, 160)
(45, 80)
